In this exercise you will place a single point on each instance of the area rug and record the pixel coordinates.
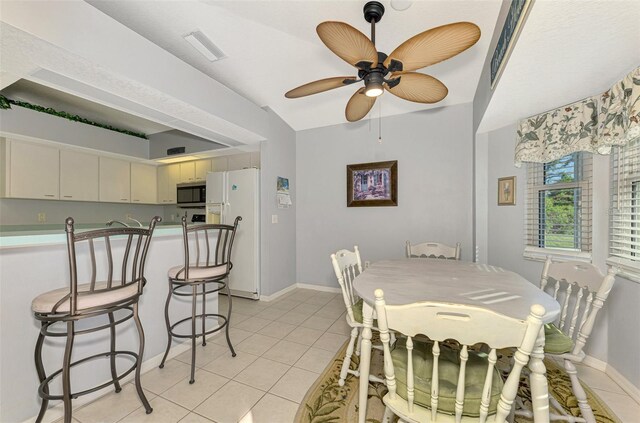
(327, 402)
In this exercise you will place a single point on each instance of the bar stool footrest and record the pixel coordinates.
(198, 334)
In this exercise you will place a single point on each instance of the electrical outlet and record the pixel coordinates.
(173, 217)
(367, 263)
(128, 216)
(42, 217)
(274, 218)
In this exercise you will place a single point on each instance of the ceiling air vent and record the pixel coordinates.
(175, 150)
(200, 42)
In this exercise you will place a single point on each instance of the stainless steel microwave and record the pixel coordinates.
(192, 195)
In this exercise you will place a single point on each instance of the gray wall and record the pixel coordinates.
(434, 153)
(615, 338)
(29, 123)
(278, 240)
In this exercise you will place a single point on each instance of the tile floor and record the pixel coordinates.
(282, 348)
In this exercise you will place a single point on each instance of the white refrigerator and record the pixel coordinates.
(237, 193)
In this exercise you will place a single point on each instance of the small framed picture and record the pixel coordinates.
(372, 184)
(507, 191)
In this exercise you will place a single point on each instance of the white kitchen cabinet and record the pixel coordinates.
(144, 183)
(79, 176)
(202, 167)
(115, 180)
(168, 177)
(239, 161)
(33, 170)
(219, 164)
(187, 172)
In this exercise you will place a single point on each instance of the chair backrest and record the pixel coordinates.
(105, 268)
(433, 250)
(581, 289)
(208, 246)
(347, 265)
(468, 325)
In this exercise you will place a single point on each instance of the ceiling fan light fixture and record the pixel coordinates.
(374, 89)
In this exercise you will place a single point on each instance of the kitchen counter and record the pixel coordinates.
(16, 236)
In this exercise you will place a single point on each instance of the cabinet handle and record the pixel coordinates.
(136, 200)
(124, 199)
(49, 195)
(68, 196)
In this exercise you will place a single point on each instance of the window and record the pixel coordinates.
(624, 235)
(558, 220)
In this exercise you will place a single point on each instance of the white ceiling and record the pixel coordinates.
(568, 50)
(272, 46)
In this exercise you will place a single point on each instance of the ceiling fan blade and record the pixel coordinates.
(319, 86)
(349, 44)
(418, 87)
(434, 45)
(358, 106)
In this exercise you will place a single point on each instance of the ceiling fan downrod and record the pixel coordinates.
(373, 12)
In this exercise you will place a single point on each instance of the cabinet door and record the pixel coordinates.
(187, 172)
(163, 184)
(79, 176)
(174, 177)
(239, 161)
(144, 184)
(202, 167)
(34, 171)
(115, 180)
(219, 164)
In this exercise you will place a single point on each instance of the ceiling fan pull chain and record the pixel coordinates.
(380, 122)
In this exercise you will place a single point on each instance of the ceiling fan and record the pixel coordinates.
(393, 72)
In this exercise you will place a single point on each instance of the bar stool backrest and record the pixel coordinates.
(92, 258)
(208, 245)
(433, 250)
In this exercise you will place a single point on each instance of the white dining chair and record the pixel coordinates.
(581, 289)
(347, 265)
(433, 250)
(432, 381)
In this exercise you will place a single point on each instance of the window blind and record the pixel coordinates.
(624, 237)
(559, 204)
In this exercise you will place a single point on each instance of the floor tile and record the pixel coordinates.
(271, 313)
(307, 309)
(294, 384)
(230, 403)
(253, 324)
(623, 406)
(293, 318)
(315, 360)
(301, 295)
(190, 395)
(319, 300)
(340, 327)
(286, 352)
(204, 355)
(111, 407)
(596, 379)
(271, 409)
(256, 344)
(262, 374)
(195, 418)
(236, 335)
(331, 342)
(163, 412)
(331, 312)
(304, 336)
(230, 366)
(159, 380)
(285, 304)
(317, 322)
(277, 329)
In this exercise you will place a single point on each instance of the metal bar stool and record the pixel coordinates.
(212, 265)
(110, 292)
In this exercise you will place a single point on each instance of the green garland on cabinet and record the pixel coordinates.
(5, 103)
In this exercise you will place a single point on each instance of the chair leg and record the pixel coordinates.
(204, 312)
(233, 352)
(168, 324)
(41, 374)
(358, 344)
(347, 358)
(194, 300)
(388, 415)
(578, 391)
(141, 394)
(114, 373)
(66, 376)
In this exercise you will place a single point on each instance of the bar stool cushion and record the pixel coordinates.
(197, 273)
(555, 341)
(44, 303)
(448, 370)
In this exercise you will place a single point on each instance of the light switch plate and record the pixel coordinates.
(274, 218)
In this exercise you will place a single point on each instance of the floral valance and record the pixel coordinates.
(594, 124)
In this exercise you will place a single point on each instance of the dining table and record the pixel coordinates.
(406, 281)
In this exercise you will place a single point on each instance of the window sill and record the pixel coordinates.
(628, 269)
(541, 254)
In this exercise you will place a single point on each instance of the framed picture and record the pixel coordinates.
(507, 191)
(372, 184)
